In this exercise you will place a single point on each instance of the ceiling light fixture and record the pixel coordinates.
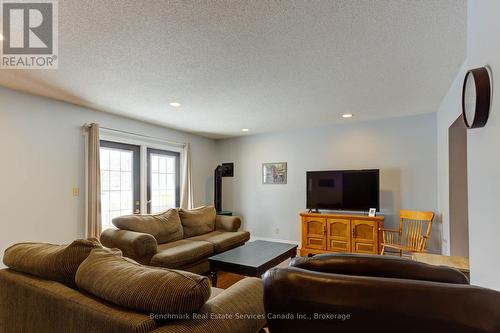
(347, 115)
(175, 104)
(244, 129)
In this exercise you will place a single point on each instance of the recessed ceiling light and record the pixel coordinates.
(175, 104)
(244, 129)
(347, 115)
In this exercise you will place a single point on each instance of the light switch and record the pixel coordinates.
(76, 191)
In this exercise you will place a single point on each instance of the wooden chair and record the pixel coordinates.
(412, 235)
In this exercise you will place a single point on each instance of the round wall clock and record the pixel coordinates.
(476, 97)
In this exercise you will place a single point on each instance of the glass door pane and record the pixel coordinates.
(163, 180)
(120, 178)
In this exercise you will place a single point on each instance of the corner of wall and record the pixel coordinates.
(447, 113)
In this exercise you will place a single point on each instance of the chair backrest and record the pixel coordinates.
(415, 229)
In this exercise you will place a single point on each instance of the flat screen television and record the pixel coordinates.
(352, 190)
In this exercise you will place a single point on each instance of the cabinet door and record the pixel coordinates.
(314, 231)
(338, 235)
(364, 236)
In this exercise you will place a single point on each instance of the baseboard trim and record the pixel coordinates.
(252, 238)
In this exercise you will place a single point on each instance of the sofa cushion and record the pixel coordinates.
(165, 227)
(124, 282)
(200, 267)
(49, 261)
(181, 253)
(198, 221)
(223, 240)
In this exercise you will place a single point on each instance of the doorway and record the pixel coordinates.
(459, 212)
(163, 180)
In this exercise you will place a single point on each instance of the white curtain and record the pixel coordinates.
(93, 182)
(187, 182)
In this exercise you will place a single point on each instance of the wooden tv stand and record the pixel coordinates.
(324, 233)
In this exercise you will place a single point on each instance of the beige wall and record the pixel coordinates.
(42, 151)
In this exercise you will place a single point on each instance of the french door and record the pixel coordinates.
(163, 180)
(120, 180)
(124, 187)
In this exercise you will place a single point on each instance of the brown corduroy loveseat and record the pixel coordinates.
(177, 238)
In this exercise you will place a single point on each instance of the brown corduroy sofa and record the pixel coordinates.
(176, 239)
(56, 288)
(31, 304)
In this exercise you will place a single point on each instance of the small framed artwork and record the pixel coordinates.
(372, 212)
(274, 173)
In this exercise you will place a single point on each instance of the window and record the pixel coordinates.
(163, 180)
(120, 172)
(125, 190)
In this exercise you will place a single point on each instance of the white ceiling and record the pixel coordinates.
(262, 65)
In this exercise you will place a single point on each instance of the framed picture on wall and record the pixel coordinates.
(274, 173)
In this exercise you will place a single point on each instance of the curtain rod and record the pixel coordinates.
(174, 143)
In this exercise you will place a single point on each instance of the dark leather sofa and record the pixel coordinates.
(366, 293)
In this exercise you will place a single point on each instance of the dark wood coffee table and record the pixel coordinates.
(251, 259)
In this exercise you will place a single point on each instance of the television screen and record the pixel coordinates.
(356, 190)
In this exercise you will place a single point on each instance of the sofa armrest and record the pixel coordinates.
(379, 266)
(227, 223)
(239, 308)
(136, 245)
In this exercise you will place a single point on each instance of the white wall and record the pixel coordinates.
(42, 151)
(483, 149)
(483, 48)
(403, 148)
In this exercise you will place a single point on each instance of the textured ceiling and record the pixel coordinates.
(262, 65)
